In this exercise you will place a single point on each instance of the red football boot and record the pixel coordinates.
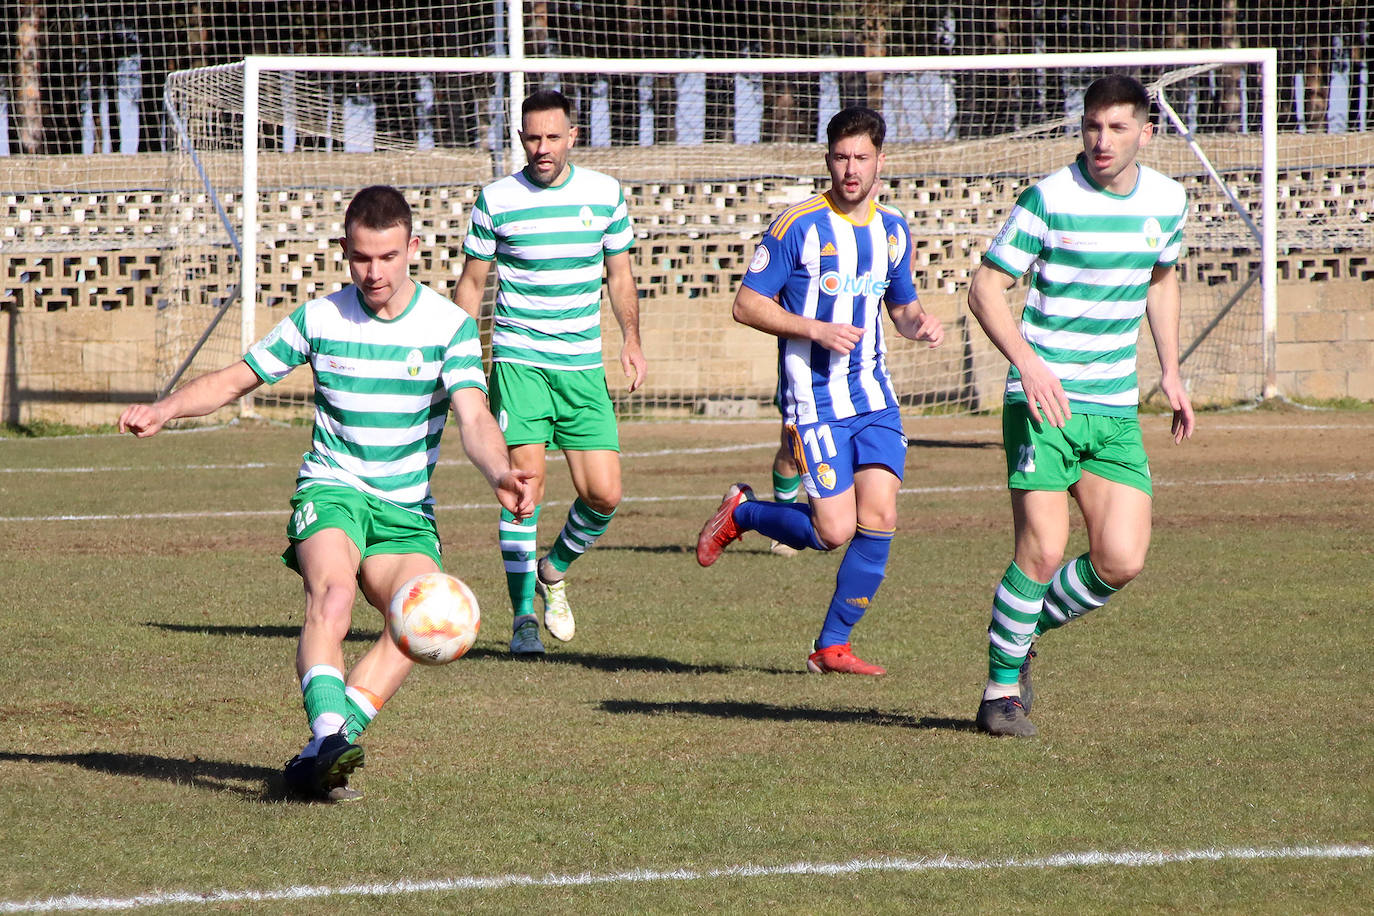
(721, 529)
(840, 660)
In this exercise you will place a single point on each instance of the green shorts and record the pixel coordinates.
(570, 409)
(1044, 457)
(374, 525)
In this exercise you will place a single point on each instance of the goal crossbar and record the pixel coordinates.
(257, 100)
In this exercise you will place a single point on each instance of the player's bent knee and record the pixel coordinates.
(1117, 571)
(605, 503)
(331, 607)
(833, 538)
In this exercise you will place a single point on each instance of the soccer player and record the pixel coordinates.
(1101, 238)
(552, 228)
(817, 281)
(388, 356)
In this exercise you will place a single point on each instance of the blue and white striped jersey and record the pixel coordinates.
(818, 263)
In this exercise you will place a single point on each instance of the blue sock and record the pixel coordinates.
(786, 523)
(861, 572)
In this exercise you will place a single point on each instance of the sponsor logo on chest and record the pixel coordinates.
(834, 283)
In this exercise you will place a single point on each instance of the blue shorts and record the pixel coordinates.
(828, 453)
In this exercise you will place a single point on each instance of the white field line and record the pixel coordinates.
(1129, 859)
(259, 465)
(1262, 480)
(913, 431)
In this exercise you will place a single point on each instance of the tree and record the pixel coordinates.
(28, 76)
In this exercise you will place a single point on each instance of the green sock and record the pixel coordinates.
(1075, 590)
(361, 712)
(580, 531)
(519, 541)
(326, 707)
(785, 488)
(1015, 609)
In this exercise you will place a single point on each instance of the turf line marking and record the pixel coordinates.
(1129, 859)
(557, 456)
(453, 462)
(1330, 477)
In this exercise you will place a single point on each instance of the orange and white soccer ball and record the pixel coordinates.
(433, 618)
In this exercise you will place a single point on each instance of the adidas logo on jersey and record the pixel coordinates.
(828, 249)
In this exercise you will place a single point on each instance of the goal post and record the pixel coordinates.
(699, 203)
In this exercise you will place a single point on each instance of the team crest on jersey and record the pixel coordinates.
(414, 360)
(760, 259)
(894, 249)
(1005, 233)
(826, 475)
(585, 215)
(1154, 233)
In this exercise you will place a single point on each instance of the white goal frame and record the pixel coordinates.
(517, 66)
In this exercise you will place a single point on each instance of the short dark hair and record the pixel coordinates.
(854, 121)
(378, 207)
(1117, 89)
(546, 100)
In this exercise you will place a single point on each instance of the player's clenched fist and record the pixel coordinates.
(143, 420)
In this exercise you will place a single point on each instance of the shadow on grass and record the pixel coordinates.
(242, 779)
(732, 709)
(261, 631)
(650, 663)
(612, 663)
(946, 443)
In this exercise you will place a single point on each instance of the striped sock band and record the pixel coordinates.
(362, 709)
(326, 708)
(519, 540)
(1075, 590)
(1015, 609)
(580, 531)
(785, 489)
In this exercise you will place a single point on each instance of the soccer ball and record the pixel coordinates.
(433, 618)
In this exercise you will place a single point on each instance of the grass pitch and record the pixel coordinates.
(1205, 740)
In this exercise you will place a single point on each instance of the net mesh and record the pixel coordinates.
(699, 207)
(89, 76)
(102, 205)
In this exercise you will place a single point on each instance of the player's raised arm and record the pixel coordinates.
(624, 295)
(200, 396)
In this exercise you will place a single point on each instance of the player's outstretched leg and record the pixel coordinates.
(720, 529)
(857, 581)
(1016, 609)
(581, 530)
(517, 540)
(322, 767)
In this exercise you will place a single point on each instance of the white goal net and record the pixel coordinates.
(269, 152)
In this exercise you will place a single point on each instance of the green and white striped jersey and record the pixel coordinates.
(550, 246)
(1090, 253)
(382, 388)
